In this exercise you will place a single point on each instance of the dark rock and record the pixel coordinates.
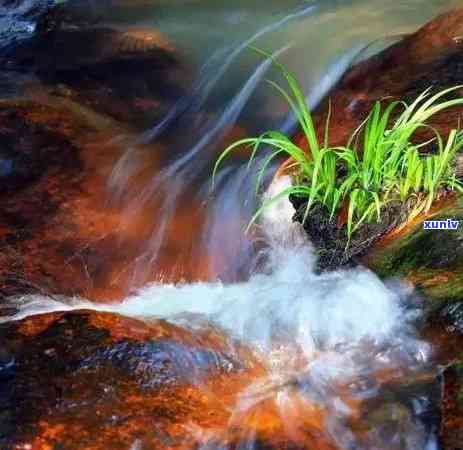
(32, 154)
(453, 314)
(134, 76)
(83, 13)
(49, 174)
(28, 151)
(68, 50)
(108, 379)
(452, 408)
(158, 364)
(330, 238)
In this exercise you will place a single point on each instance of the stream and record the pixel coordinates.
(344, 366)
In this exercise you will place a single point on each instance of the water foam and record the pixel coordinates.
(329, 307)
(318, 311)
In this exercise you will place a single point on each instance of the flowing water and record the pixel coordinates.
(230, 96)
(337, 348)
(344, 366)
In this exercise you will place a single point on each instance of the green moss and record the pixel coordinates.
(432, 259)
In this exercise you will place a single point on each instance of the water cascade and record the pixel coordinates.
(333, 345)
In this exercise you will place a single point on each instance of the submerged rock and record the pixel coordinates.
(91, 87)
(18, 19)
(56, 157)
(80, 13)
(134, 76)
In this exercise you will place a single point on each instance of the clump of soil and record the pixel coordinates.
(330, 238)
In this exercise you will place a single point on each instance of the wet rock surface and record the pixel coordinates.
(73, 99)
(48, 179)
(108, 380)
(452, 408)
(454, 314)
(36, 161)
(430, 57)
(97, 380)
(29, 150)
(133, 76)
(329, 236)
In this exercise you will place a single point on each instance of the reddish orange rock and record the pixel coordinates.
(88, 380)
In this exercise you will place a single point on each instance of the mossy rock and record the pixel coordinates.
(431, 259)
(334, 248)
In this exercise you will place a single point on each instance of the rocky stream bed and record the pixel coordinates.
(63, 105)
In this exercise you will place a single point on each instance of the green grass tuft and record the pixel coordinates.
(380, 163)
